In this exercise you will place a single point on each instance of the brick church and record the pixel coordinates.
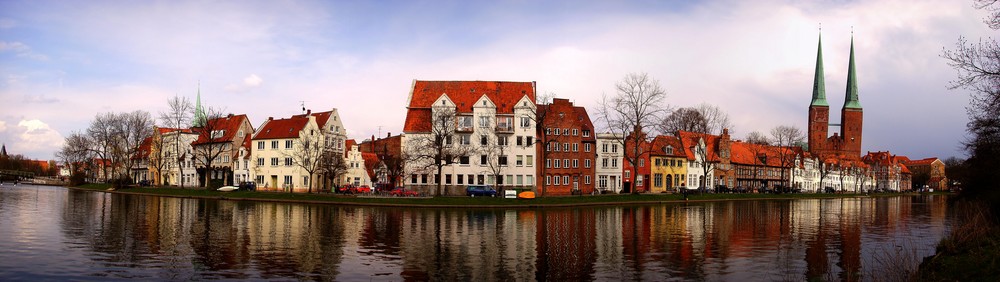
(843, 145)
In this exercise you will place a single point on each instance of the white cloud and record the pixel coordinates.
(31, 138)
(252, 81)
(21, 50)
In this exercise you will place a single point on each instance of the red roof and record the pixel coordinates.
(927, 162)
(661, 142)
(348, 145)
(230, 125)
(504, 94)
(370, 160)
(144, 148)
(281, 128)
(247, 143)
(690, 139)
(321, 117)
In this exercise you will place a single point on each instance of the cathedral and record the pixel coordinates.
(845, 144)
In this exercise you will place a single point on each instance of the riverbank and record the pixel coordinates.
(459, 202)
(971, 252)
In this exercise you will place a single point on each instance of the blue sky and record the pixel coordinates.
(63, 62)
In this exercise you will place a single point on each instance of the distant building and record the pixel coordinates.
(931, 168)
(609, 163)
(669, 164)
(569, 149)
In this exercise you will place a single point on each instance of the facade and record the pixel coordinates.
(669, 165)
(334, 141)
(702, 151)
(482, 129)
(640, 170)
(932, 169)
(178, 157)
(357, 172)
(140, 167)
(888, 171)
(277, 148)
(608, 163)
(568, 146)
(243, 163)
(218, 146)
(388, 152)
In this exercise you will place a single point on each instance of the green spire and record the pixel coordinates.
(819, 85)
(851, 99)
(199, 113)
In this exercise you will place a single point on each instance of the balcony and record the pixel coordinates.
(505, 128)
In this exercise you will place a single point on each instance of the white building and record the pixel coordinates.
(487, 127)
(609, 162)
(357, 171)
(278, 150)
(177, 145)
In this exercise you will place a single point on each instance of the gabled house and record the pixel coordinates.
(140, 170)
(568, 145)
(217, 146)
(669, 162)
(388, 152)
(475, 129)
(702, 152)
(280, 152)
(608, 163)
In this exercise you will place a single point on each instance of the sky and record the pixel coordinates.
(63, 62)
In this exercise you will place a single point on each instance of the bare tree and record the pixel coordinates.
(757, 144)
(308, 153)
(637, 105)
(76, 152)
(134, 128)
(211, 144)
(177, 116)
(495, 148)
(439, 147)
(684, 119)
(105, 142)
(716, 120)
(784, 137)
(157, 156)
(331, 164)
(826, 166)
(978, 67)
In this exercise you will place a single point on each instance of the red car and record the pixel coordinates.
(402, 192)
(362, 189)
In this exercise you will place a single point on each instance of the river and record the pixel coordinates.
(55, 233)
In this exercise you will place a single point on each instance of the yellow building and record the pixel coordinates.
(669, 164)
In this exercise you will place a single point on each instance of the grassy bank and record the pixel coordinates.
(616, 199)
(971, 252)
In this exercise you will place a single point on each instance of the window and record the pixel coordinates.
(586, 147)
(566, 131)
(482, 159)
(586, 133)
(459, 179)
(305, 181)
(658, 180)
(554, 133)
(520, 179)
(482, 140)
(463, 160)
(556, 163)
(465, 139)
(586, 163)
(510, 180)
(502, 160)
(484, 121)
(565, 147)
(274, 144)
(669, 150)
(566, 179)
(520, 140)
(274, 161)
(566, 163)
(288, 161)
(529, 141)
(602, 181)
(614, 163)
(530, 161)
(614, 148)
(530, 180)
(288, 144)
(576, 163)
(260, 145)
(260, 179)
(638, 180)
(642, 162)
(628, 173)
(260, 161)
(525, 122)
(586, 179)
(502, 140)
(413, 178)
(519, 161)
(576, 147)
(447, 179)
(575, 132)
(604, 162)
(548, 180)
(505, 123)
(464, 122)
(604, 147)
(555, 180)
(288, 180)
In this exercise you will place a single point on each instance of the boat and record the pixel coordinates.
(227, 188)
(526, 195)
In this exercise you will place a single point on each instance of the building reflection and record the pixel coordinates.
(184, 239)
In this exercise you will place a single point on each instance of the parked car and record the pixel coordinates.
(480, 190)
(362, 189)
(403, 192)
(144, 183)
(346, 189)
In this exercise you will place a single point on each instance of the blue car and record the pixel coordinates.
(480, 190)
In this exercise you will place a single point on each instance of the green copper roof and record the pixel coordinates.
(199, 113)
(851, 101)
(819, 86)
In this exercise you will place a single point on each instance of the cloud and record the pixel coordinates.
(31, 138)
(21, 50)
(252, 81)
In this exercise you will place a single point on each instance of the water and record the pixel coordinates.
(53, 233)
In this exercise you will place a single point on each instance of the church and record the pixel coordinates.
(845, 144)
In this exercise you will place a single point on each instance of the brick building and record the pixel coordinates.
(568, 148)
(845, 144)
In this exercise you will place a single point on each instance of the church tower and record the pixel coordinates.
(819, 109)
(199, 112)
(852, 116)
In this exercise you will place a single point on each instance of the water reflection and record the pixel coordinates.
(105, 236)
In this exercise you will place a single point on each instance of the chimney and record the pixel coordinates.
(387, 135)
(309, 111)
(270, 118)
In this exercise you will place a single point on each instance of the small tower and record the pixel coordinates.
(852, 116)
(199, 112)
(819, 109)
(3, 150)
